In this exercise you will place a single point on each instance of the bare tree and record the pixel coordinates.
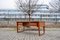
(27, 6)
(55, 4)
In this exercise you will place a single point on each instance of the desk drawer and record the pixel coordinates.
(31, 24)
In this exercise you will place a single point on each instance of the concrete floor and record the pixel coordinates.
(9, 34)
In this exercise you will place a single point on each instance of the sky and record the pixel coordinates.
(11, 4)
(7, 4)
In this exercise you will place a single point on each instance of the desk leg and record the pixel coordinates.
(43, 29)
(39, 29)
(17, 27)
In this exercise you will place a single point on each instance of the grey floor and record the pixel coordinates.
(6, 34)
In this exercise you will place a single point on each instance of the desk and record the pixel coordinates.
(32, 23)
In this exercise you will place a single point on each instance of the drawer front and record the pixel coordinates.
(29, 24)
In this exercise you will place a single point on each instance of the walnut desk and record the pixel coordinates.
(32, 23)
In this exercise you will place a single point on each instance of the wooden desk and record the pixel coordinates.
(32, 23)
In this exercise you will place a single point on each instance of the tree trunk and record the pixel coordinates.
(29, 17)
(29, 21)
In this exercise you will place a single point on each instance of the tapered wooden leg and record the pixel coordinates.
(39, 29)
(43, 29)
(17, 27)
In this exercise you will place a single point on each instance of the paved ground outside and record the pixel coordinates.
(11, 34)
